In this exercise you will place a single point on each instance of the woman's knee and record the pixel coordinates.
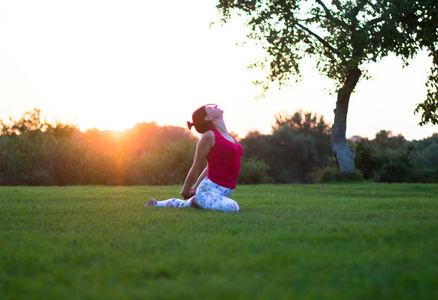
(227, 205)
(234, 206)
(215, 202)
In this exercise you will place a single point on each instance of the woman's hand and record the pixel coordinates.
(189, 194)
(185, 195)
(192, 192)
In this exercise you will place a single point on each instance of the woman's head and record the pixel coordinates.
(199, 120)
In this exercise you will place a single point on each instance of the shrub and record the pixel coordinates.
(167, 164)
(298, 143)
(253, 171)
(425, 175)
(331, 174)
(367, 161)
(395, 171)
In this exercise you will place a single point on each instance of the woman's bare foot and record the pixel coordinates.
(151, 202)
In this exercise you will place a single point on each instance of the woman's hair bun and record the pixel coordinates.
(189, 125)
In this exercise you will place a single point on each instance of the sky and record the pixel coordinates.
(110, 64)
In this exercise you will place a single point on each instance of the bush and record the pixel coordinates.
(33, 152)
(331, 174)
(425, 175)
(392, 159)
(167, 164)
(253, 172)
(398, 171)
(297, 144)
(367, 161)
(395, 171)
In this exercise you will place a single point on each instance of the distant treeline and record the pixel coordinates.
(33, 152)
(389, 158)
(299, 150)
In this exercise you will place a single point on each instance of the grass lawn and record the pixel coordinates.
(334, 241)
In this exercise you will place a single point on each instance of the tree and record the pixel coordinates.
(298, 144)
(342, 35)
(30, 122)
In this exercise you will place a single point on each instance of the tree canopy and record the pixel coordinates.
(342, 35)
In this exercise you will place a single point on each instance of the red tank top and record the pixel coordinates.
(224, 161)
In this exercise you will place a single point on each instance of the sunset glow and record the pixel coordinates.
(113, 64)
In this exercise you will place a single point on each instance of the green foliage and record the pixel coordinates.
(429, 107)
(309, 125)
(331, 174)
(393, 159)
(36, 153)
(385, 140)
(342, 36)
(33, 152)
(253, 171)
(366, 161)
(298, 144)
(303, 122)
(341, 241)
(292, 155)
(167, 164)
(31, 121)
(428, 148)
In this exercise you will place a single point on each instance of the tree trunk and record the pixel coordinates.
(344, 156)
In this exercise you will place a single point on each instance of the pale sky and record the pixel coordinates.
(113, 64)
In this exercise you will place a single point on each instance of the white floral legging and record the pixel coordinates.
(209, 195)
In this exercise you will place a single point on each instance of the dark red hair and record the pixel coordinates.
(198, 117)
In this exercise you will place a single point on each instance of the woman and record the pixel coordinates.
(213, 187)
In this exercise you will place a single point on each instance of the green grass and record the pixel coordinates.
(339, 241)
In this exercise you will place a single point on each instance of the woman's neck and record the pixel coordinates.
(220, 126)
(222, 129)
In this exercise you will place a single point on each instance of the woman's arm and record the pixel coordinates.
(202, 149)
(193, 189)
(200, 178)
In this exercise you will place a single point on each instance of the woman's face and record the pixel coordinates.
(213, 111)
